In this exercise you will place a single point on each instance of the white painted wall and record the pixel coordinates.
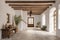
(47, 14)
(58, 12)
(4, 9)
(36, 19)
(51, 19)
(58, 21)
(58, 28)
(24, 22)
(46, 18)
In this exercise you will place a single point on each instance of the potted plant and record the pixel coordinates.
(38, 24)
(44, 28)
(17, 20)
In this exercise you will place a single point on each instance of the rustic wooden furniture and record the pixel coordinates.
(8, 32)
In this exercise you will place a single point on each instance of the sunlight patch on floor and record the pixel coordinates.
(40, 32)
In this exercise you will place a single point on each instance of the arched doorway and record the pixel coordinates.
(52, 20)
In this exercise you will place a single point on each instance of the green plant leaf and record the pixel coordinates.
(17, 19)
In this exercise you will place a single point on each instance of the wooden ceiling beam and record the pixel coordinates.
(30, 5)
(34, 14)
(27, 9)
(30, 1)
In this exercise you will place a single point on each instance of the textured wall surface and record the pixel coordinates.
(4, 9)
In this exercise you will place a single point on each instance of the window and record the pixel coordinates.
(43, 19)
(52, 19)
(30, 20)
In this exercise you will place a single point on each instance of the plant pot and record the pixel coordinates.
(16, 29)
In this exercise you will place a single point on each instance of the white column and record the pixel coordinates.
(24, 20)
(47, 20)
(57, 9)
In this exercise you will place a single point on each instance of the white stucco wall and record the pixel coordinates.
(4, 9)
(24, 22)
(47, 18)
(36, 19)
(58, 28)
(58, 21)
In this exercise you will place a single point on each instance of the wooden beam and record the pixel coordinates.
(30, 5)
(16, 8)
(30, 1)
(34, 14)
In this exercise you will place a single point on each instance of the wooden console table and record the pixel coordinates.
(6, 33)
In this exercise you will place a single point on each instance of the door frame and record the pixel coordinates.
(28, 21)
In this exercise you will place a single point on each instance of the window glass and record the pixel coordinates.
(30, 20)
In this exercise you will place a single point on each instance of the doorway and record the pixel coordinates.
(52, 20)
(30, 21)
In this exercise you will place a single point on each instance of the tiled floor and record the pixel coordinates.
(33, 35)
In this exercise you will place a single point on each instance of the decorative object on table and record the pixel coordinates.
(8, 18)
